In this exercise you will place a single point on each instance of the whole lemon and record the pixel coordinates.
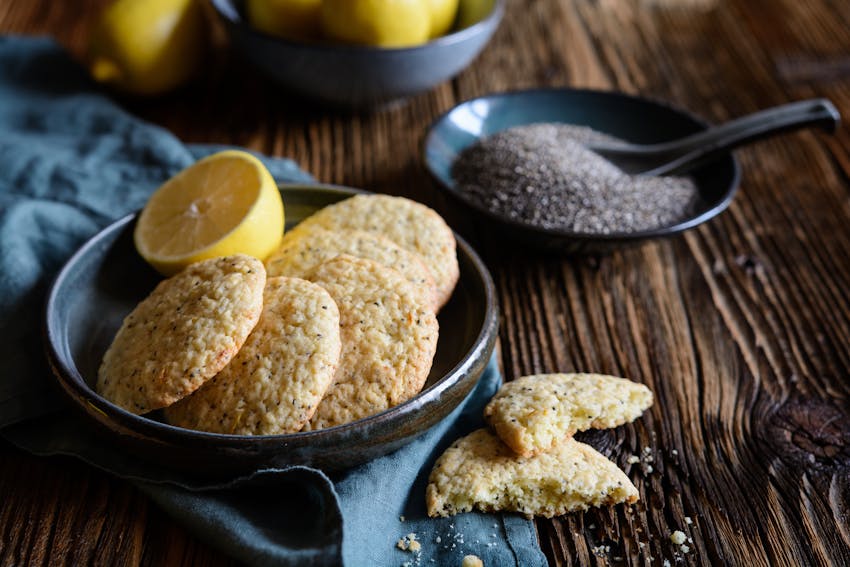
(148, 46)
(293, 19)
(383, 23)
(473, 11)
(443, 13)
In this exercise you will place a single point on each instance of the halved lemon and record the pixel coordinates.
(227, 203)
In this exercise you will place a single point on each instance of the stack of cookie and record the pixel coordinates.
(531, 464)
(338, 325)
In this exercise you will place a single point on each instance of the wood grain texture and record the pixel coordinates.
(740, 327)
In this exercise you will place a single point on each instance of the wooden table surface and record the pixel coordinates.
(740, 327)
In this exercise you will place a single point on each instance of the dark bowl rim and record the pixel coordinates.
(459, 36)
(76, 387)
(664, 231)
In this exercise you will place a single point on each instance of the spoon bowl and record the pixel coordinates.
(630, 118)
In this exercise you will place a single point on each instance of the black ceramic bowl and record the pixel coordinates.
(105, 280)
(631, 118)
(356, 76)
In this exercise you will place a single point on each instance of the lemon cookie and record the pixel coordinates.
(275, 382)
(532, 413)
(388, 339)
(409, 224)
(480, 472)
(183, 333)
(301, 251)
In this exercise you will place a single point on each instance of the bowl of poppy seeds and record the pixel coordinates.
(520, 162)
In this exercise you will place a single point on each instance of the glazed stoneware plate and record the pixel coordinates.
(631, 118)
(105, 280)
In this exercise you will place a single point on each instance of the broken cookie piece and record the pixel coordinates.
(480, 472)
(533, 413)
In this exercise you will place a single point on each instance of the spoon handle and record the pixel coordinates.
(812, 112)
(681, 155)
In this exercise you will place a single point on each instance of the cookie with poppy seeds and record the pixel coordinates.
(183, 333)
(273, 385)
(389, 338)
(408, 224)
(301, 251)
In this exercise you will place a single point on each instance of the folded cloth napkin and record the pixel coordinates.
(71, 161)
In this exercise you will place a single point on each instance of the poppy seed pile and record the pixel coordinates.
(543, 175)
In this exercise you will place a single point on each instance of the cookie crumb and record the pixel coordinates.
(409, 543)
(471, 561)
(643, 458)
(677, 537)
(688, 520)
(684, 548)
(600, 550)
(401, 518)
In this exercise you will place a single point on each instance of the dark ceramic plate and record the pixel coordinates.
(106, 278)
(631, 118)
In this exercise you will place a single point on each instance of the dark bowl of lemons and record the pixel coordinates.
(359, 53)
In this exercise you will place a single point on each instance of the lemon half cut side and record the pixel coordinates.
(227, 203)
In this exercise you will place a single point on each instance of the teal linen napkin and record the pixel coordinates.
(71, 162)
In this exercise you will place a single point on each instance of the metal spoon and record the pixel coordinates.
(681, 155)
